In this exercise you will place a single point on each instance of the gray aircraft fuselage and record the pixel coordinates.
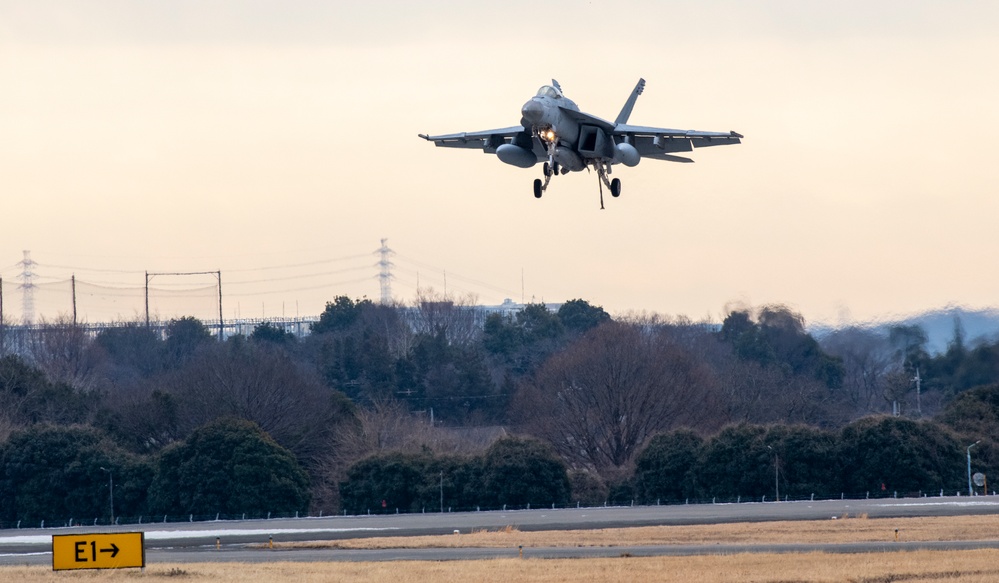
(553, 129)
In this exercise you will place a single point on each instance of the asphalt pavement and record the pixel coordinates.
(196, 542)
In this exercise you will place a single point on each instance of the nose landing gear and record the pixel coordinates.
(550, 169)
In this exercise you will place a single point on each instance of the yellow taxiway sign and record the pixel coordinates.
(98, 551)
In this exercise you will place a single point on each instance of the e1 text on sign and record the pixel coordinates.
(98, 551)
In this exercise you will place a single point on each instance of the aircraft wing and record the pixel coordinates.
(659, 143)
(486, 140)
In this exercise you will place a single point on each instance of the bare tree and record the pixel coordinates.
(454, 317)
(66, 354)
(759, 394)
(599, 401)
(262, 384)
(869, 363)
(385, 426)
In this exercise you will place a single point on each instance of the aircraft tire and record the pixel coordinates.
(537, 188)
(548, 169)
(616, 187)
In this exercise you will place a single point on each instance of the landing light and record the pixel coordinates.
(550, 135)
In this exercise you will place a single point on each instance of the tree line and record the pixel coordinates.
(426, 391)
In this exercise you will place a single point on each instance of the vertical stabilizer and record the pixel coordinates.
(630, 104)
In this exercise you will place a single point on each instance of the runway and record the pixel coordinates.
(196, 542)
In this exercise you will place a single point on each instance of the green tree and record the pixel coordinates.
(539, 323)
(666, 468)
(806, 460)
(267, 332)
(395, 478)
(412, 482)
(229, 466)
(579, 315)
(778, 338)
(501, 335)
(340, 314)
(184, 337)
(55, 473)
(974, 415)
(357, 348)
(736, 462)
(519, 471)
(882, 455)
(134, 349)
(974, 412)
(453, 379)
(27, 397)
(520, 343)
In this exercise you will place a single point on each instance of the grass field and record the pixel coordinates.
(979, 566)
(916, 567)
(841, 530)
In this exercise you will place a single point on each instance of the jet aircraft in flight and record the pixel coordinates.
(553, 130)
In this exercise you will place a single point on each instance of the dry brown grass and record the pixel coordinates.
(915, 567)
(846, 530)
(979, 566)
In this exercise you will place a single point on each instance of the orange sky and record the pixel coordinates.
(188, 136)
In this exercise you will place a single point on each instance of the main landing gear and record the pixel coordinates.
(603, 169)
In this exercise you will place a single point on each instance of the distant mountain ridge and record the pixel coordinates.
(981, 325)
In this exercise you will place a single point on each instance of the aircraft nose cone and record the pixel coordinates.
(533, 111)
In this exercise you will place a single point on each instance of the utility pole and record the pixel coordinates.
(111, 489)
(72, 281)
(2, 333)
(218, 274)
(971, 492)
(919, 407)
(776, 474)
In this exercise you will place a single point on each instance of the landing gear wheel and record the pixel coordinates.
(548, 169)
(615, 187)
(537, 188)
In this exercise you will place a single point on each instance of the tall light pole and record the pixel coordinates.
(970, 491)
(111, 490)
(776, 478)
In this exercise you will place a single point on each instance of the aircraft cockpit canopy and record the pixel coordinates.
(549, 91)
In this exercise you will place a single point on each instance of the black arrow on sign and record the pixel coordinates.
(113, 550)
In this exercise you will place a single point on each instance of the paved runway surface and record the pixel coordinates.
(195, 542)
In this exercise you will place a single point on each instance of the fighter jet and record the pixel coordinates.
(553, 130)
